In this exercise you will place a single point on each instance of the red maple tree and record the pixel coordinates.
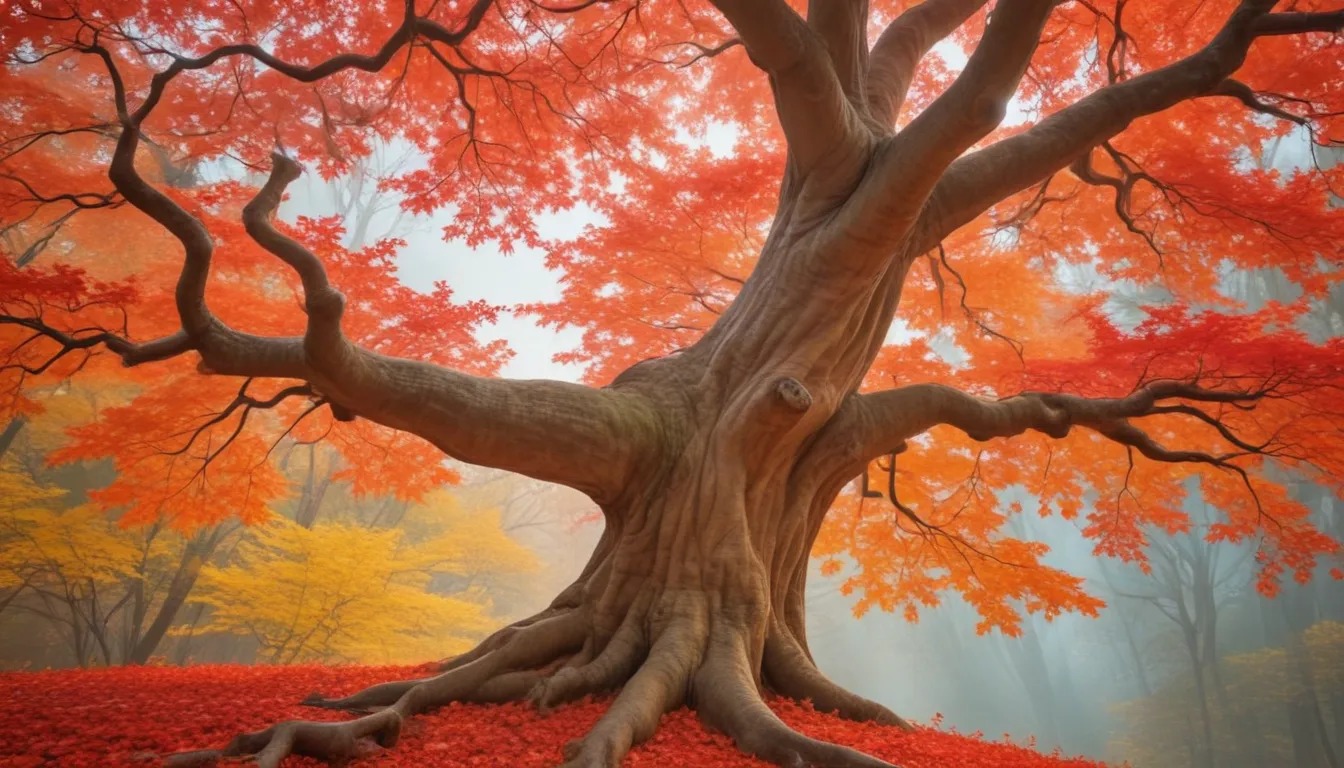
(736, 309)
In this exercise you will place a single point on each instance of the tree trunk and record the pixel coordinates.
(1323, 733)
(1137, 661)
(1302, 730)
(183, 651)
(1311, 737)
(1202, 696)
(314, 491)
(1337, 711)
(1028, 660)
(695, 591)
(10, 432)
(196, 554)
(1242, 721)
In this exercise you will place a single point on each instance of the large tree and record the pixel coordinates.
(716, 461)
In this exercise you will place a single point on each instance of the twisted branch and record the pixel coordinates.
(975, 182)
(588, 439)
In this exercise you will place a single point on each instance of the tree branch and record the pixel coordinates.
(891, 417)
(131, 353)
(818, 120)
(903, 45)
(1296, 23)
(843, 27)
(544, 429)
(410, 27)
(907, 166)
(1246, 95)
(975, 182)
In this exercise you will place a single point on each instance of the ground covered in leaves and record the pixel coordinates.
(119, 717)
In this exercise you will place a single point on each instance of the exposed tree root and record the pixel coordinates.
(480, 680)
(659, 686)
(583, 676)
(664, 649)
(507, 673)
(790, 672)
(337, 743)
(697, 657)
(727, 699)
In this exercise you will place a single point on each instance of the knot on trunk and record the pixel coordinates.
(793, 394)
(327, 304)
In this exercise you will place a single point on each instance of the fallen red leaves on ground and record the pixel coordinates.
(117, 717)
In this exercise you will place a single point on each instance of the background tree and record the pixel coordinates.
(338, 592)
(716, 461)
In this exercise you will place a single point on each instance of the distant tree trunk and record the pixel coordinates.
(1302, 731)
(10, 432)
(1140, 671)
(957, 664)
(1243, 722)
(1337, 709)
(1201, 693)
(135, 588)
(1028, 662)
(1331, 758)
(1136, 657)
(1306, 722)
(1191, 749)
(79, 633)
(197, 553)
(314, 491)
(183, 650)
(79, 641)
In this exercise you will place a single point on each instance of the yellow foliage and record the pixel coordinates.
(68, 406)
(1260, 682)
(1280, 675)
(466, 542)
(341, 592)
(38, 541)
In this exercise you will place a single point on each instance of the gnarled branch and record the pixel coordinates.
(907, 166)
(903, 45)
(843, 26)
(975, 182)
(899, 414)
(569, 434)
(539, 428)
(891, 417)
(819, 122)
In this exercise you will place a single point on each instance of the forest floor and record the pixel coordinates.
(123, 716)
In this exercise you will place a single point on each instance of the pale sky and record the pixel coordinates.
(487, 274)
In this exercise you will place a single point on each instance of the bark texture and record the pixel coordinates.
(715, 466)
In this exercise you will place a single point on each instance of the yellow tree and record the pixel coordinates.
(71, 567)
(345, 592)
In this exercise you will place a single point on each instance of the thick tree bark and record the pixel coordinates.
(714, 467)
